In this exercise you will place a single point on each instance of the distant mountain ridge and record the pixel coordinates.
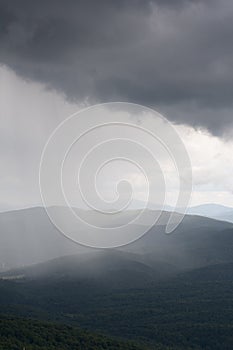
(28, 237)
(214, 211)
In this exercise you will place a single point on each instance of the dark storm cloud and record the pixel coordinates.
(158, 53)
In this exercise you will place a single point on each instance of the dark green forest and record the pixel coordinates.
(19, 334)
(191, 311)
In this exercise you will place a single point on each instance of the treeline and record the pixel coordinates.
(19, 334)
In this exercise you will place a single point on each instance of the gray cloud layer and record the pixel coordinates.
(174, 54)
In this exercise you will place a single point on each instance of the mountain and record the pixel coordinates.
(211, 210)
(115, 269)
(197, 242)
(166, 291)
(28, 237)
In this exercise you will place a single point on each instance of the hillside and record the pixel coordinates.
(192, 310)
(28, 237)
(17, 334)
(166, 291)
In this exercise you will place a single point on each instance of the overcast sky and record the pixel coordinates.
(57, 56)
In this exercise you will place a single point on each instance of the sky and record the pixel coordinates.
(58, 57)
